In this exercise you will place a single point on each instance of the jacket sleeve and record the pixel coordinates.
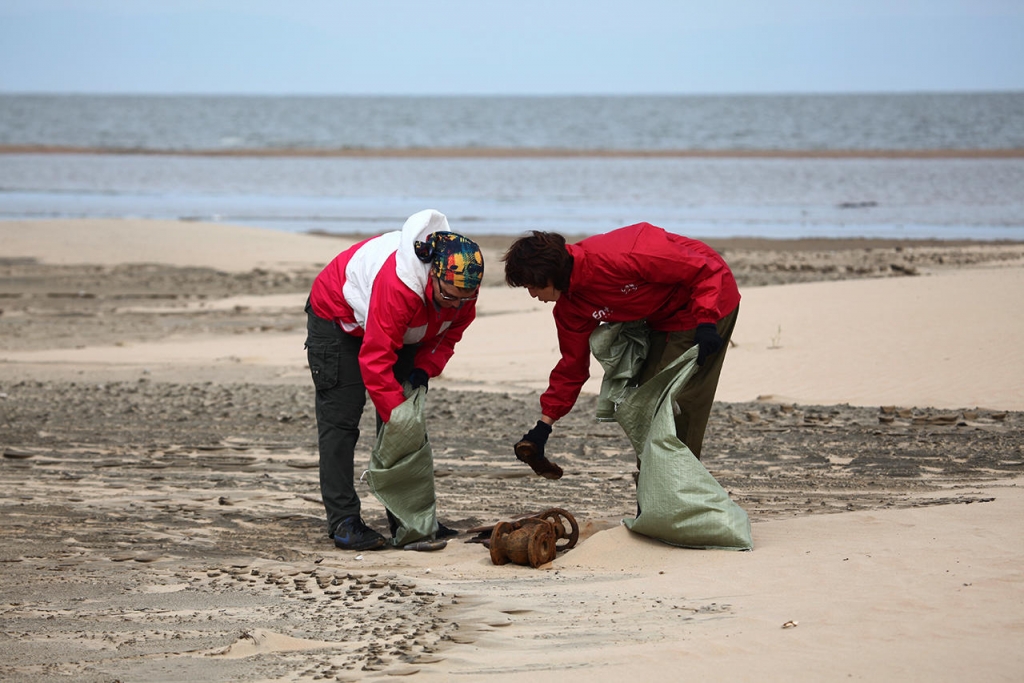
(573, 368)
(390, 312)
(434, 354)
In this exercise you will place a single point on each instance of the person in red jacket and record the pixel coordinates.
(681, 287)
(386, 311)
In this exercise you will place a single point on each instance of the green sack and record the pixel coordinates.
(680, 502)
(401, 473)
(621, 348)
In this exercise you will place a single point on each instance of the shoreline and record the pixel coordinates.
(532, 153)
(783, 244)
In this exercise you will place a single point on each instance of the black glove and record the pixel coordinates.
(706, 337)
(539, 435)
(419, 378)
(530, 450)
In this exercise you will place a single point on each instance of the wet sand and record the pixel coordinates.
(162, 520)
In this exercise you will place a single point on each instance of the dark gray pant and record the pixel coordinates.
(333, 357)
(693, 403)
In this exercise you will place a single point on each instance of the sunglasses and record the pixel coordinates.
(445, 296)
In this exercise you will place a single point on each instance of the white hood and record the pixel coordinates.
(362, 269)
(413, 272)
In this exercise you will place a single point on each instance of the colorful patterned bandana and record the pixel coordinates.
(454, 259)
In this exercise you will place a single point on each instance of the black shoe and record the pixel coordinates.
(444, 532)
(353, 534)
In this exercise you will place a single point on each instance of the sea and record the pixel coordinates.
(947, 166)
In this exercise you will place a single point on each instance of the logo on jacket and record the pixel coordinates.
(602, 314)
(629, 289)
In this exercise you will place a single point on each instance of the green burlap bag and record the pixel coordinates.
(621, 349)
(680, 502)
(401, 473)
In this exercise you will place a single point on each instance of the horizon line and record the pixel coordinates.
(529, 152)
(774, 93)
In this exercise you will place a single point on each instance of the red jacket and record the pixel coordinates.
(639, 272)
(380, 291)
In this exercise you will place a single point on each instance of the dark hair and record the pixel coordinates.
(537, 260)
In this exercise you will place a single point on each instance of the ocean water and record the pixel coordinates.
(147, 157)
(763, 122)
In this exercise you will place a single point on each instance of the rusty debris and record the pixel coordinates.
(532, 540)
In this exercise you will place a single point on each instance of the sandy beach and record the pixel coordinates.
(162, 520)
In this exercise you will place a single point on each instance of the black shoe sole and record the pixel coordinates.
(376, 544)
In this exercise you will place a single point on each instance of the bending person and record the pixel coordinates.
(681, 287)
(386, 311)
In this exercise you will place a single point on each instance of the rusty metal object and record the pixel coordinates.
(566, 528)
(528, 452)
(531, 539)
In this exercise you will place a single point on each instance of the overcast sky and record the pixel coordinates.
(520, 47)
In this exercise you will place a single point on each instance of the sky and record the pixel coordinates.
(526, 47)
